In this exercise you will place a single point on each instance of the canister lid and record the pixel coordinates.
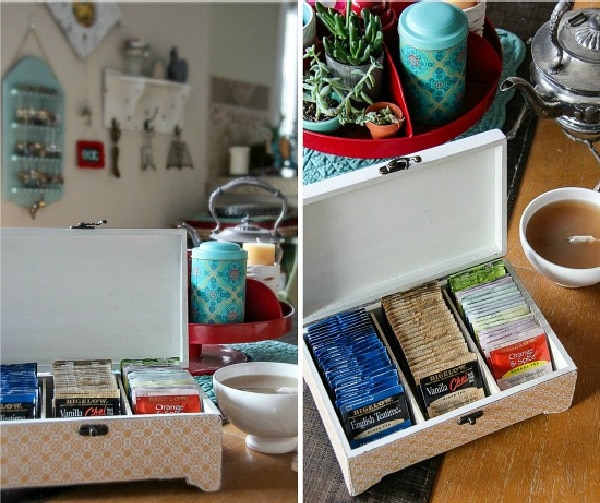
(219, 250)
(432, 25)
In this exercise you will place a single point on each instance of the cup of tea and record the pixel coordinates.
(560, 235)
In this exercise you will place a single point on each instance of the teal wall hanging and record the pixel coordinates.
(32, 135)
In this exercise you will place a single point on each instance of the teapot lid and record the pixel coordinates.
(580, 35)
(567, 52)
(245, 232)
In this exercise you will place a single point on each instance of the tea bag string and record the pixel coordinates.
(31, 31)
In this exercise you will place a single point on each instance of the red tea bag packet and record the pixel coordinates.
(511, 365)
(167, 401)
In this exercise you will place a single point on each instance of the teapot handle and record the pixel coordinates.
(557, 14)
(247, 180)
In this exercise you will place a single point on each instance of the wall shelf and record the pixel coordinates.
(131, 100)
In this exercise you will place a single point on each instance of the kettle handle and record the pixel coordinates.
(247, 180)
(557, 14)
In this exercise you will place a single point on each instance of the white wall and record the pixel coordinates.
(252, 53)
(137, 199)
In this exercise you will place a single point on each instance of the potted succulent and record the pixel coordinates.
(386, 11)
(327, 102)
(383, 119)
(352, 42)
(321, 93)
(308, 24)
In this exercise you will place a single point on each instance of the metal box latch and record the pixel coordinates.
(470, 418)
(93, 430)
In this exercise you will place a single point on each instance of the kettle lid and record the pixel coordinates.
(580, 35)
(566, 50)
(247, 231)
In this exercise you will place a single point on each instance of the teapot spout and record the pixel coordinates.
(543, 107)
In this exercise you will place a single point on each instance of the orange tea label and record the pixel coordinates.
(168, 404)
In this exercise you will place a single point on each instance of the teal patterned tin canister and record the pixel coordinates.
(433, 59)
(218, 282)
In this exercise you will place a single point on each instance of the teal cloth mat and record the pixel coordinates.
(263, 351)
(318, 166)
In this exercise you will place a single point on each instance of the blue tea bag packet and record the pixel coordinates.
(381, 414)
(360, 377)
(18, 391)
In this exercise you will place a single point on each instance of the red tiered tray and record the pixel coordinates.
(265, 318)
(484, 67)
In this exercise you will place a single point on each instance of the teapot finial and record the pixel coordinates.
(588, 36)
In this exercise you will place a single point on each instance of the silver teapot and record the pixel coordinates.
(565, 74)
(247, 231)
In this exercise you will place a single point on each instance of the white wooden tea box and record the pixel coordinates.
(100, 293)
(367, 235)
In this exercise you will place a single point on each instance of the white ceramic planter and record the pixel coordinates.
(308, 25)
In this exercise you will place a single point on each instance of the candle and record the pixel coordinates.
(260, 253)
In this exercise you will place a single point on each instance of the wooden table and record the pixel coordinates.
(554, 457)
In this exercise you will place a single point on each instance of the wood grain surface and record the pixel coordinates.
(552, 457)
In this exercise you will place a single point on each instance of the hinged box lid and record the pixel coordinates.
(101, 293)
(367, 235)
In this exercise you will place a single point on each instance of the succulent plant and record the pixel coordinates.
(351, 42)
(381, 117)
(319, 87)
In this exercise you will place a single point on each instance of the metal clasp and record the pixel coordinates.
(398, 164)
(91, 225)
(93, 430)
(470, 418)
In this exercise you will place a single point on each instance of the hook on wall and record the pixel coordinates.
(148, 121)
(147, 152)
(86, 112)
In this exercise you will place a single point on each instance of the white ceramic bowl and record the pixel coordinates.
(563, 276)
(270, 420)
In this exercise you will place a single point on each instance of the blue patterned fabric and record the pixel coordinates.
(318, 166)
(263, 351)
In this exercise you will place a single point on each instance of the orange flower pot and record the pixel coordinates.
(382, 131)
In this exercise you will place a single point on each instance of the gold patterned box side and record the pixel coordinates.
(53, 453)
(367, 467)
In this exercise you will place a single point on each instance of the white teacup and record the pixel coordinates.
(564, 276)
(261, 399)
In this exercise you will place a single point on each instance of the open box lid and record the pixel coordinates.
(368, 234)
(99, 293)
